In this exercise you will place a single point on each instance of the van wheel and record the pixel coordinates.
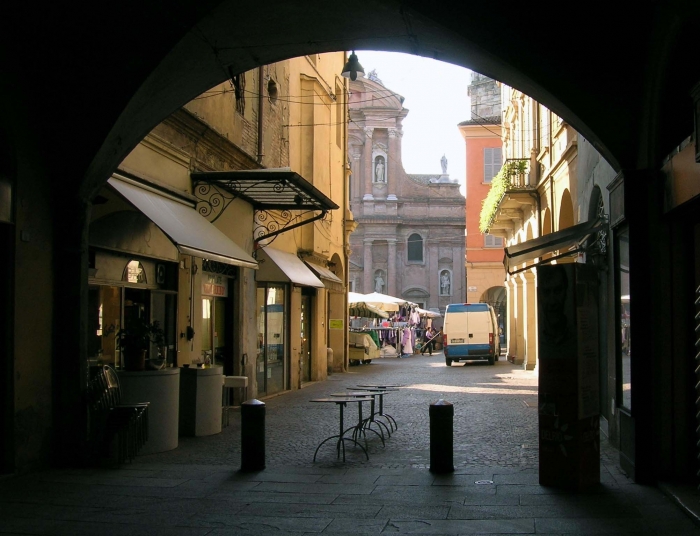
(448, 362)
(366, 361)
(491, 359)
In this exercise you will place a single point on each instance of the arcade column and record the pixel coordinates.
(568, 392)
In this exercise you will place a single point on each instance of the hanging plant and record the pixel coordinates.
(502, 182)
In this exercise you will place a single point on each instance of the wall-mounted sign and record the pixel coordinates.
(214, 285)
(335, 323)
(471, 289)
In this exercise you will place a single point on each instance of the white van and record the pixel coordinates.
(469, 333)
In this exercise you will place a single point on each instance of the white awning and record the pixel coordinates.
(191, 233)
(329, 279)
(276, 265)
(568, 241)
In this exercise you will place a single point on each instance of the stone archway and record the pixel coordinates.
(566, 211)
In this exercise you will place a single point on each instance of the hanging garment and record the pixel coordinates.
(406, 342)
(414, 319)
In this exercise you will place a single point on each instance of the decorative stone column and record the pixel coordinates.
(529, 322)
(458, 283)
(368, 175)
(356, 176)
(510, 312)
(367, 286)
(391, 286)
(520, 322)
(431, 268)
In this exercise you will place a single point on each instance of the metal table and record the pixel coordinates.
(341, 438)
(363, 424)
(382, 389)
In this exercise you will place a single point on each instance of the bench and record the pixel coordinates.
(117, 431)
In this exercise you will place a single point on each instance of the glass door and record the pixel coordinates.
(271, 365)
(214, 332)
(305, 338)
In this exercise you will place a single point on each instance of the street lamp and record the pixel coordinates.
(352, 68)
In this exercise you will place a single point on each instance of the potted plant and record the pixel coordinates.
(135, 339)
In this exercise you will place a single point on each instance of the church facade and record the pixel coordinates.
(409, 241)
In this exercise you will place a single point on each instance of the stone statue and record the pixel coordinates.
(379, 171)
(443, 163)
(378, 283)
(445, 283)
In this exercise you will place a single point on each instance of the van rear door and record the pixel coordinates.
(468, 331)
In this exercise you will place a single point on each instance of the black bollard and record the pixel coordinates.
(252, 435)
(441, 437)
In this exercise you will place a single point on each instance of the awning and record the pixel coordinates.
(568, 241)
(329, 279)
(276, 265)
(269, 189)
(366, 310)
(191, 233)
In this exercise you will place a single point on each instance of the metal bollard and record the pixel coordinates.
(252, 435)
(441, 437)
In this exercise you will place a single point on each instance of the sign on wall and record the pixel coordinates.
(214, 285)
(336, 323)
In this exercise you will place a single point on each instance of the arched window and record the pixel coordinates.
(415, 248)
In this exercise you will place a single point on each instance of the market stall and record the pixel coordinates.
(398, 334)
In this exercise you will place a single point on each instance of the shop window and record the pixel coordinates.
(112, 306)
(625, 343)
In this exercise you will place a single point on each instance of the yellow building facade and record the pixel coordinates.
(536, 197)
(227, 225)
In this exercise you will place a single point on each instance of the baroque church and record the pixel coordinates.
(409, 241)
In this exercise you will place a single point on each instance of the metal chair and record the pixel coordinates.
(229, 384)
(117, 430)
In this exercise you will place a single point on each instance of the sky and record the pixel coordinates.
(436, 96)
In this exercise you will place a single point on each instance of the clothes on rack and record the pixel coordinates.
(407, 345)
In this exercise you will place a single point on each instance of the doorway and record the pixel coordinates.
(272, 359)
(216, 334)
(306, 336)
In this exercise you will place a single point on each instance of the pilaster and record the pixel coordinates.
(392, 284)
(529, 323)
(367, 175)
(367, 286)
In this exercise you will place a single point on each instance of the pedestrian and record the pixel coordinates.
(429, 342)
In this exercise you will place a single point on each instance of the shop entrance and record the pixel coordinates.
(306, 323)
(272, 360)
(146, 291)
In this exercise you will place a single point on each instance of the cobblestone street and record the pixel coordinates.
(495, 418)
(198, 490)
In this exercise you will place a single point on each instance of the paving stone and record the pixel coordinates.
(198, 488)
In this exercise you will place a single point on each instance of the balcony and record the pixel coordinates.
(511, 199)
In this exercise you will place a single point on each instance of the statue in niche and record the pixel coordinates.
(379, 168)
(443, 163)
(379, 283)
(445, 283)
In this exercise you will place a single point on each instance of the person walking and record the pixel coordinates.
(429, 342)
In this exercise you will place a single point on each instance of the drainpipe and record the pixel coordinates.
(261, 73)
(346, 259)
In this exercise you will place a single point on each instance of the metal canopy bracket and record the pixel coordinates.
(571, 240)
(281, 198)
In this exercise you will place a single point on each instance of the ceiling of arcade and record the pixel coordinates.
(602, 86)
